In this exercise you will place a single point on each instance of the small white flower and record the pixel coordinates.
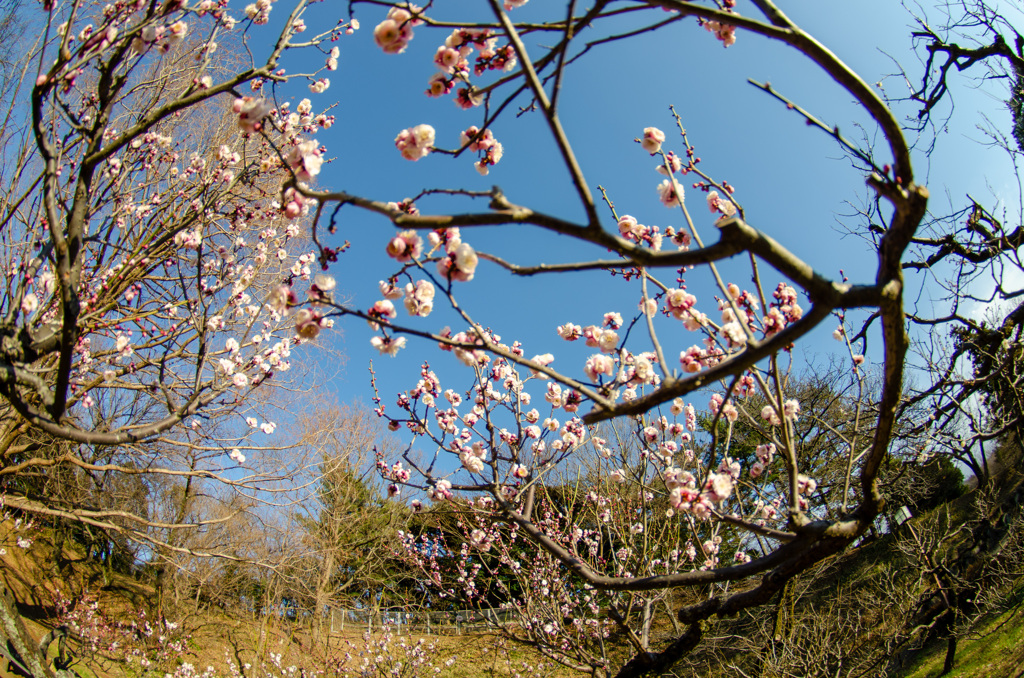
(30, 303)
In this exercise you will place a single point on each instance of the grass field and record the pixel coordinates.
(996, 651)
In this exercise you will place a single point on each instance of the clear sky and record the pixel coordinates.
(794, 182)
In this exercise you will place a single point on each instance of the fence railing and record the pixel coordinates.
(418, 621)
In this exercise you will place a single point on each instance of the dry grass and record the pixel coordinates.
(214, 637)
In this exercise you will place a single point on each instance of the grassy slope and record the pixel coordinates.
(214, 636)
(997, 652)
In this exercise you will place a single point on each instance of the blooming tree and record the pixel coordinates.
(521, 418)
(145, 242)
(158, 285)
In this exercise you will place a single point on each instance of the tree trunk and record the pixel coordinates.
(947, 666)
(645, 631)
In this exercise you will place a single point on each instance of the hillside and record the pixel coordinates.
(109, 614)
(863, 611)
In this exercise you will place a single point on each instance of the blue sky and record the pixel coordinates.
(794, 182)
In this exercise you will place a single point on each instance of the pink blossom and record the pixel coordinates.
(419, 298)
(596, 337)
(389, 289)
(570, 332)
(484, 143)
(722, 206)
(806, 484)
(670, 193)
(629, 228)
(692, 359)
(441, 490)
(281, 298)
(251, 112)
(691, 418)
(613, 320)
(653, 138)
(734, 334)
(294, 203)
(447, 59)
(472, 462)
(189, 239)
(388, 345)
(394, 33)
(307, 324)
(305, 160)
(320, 86)
(415, 142)
(765, 452)
(439, 85)
(674, 163)
(719, 486)
(466, 98)
(680, 302)
(29, 303)
(461, 265)
(323, 285)
(599, 364)
(382, 310)
(544, 359)
(405, 246)
(725, 33)
(478, 538)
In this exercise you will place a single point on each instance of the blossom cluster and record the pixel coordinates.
(483, 142)
(416, 142)
(394, 33)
